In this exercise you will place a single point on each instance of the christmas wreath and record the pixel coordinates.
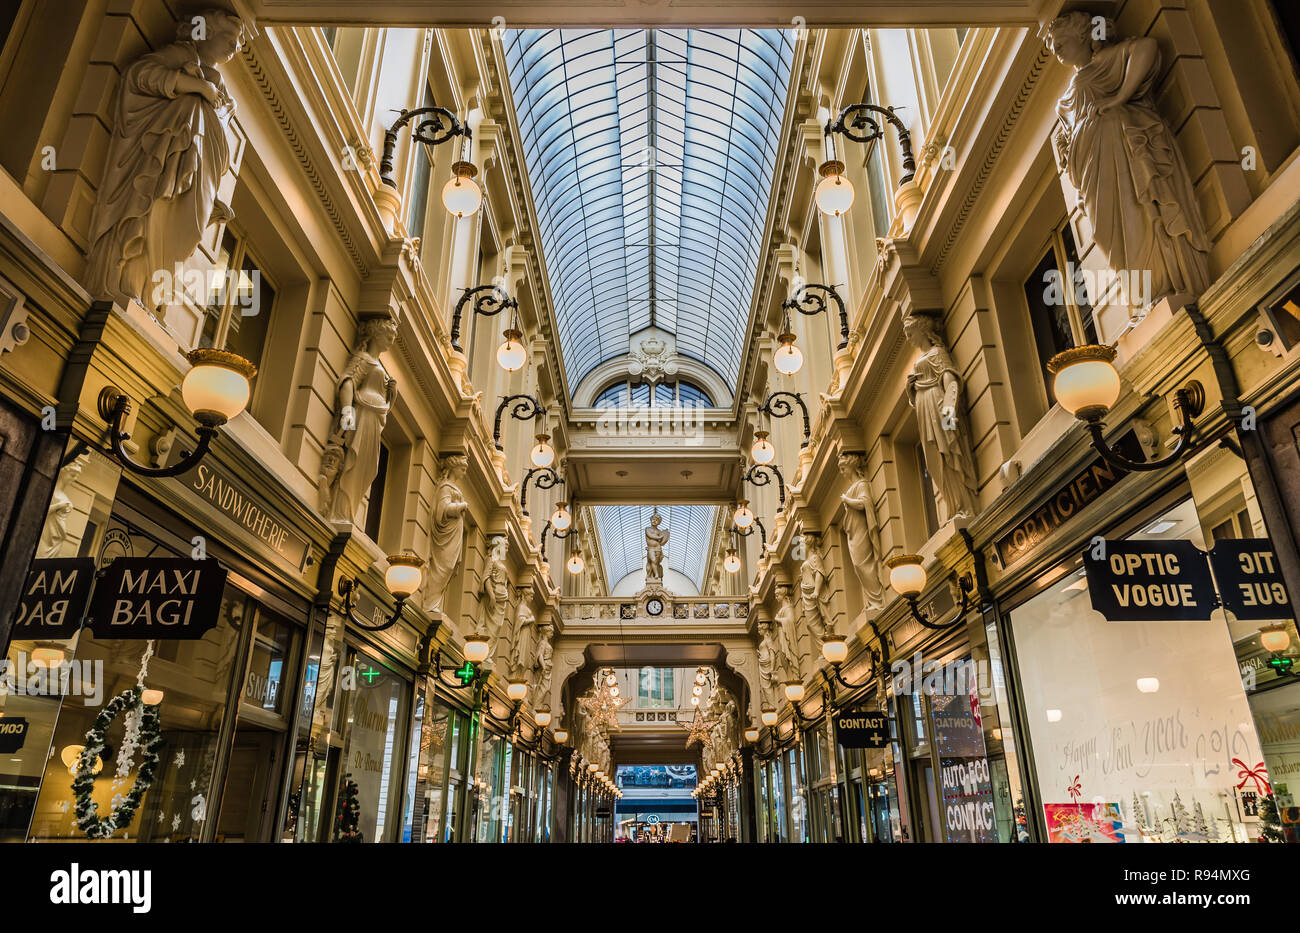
(149, 739)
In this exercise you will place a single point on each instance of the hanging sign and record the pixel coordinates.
(862, 728)
(1150, 581)
(13, 733)
(54, 597)
(158, 597)
(1250, 581)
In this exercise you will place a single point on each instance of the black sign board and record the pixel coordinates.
(1066, 502)
(709, 803)
(1150, 581)
(602, 813)
(13, 733)
(157, 597)
(862, 728)
(54, 597)
(1250, 582)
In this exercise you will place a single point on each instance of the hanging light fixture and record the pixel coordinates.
(611, 678)
(906, 574)
(462, 195)
(561, 519)
(731, 563)
(561, 736)
(763, 452)
(834, 193)
(404, 574)
(517, 690)
(794, 691)
(835, 649)
(1275, 638)
(151, 697)
(769, 717)
(511, 355)
(542, 718)
(743, 517)
(700, 676)
(575, 563)
(788, 359)
(751, 735)
(695, 701)
(477, 649)
(697, 690)
(543, 455)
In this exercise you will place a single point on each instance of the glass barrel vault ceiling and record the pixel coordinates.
(650, 155)
(621, 529)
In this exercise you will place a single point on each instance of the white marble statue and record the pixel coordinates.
(862, 528)
(655, 539)
(495, 593)
(165, 160)
(447, 535)
(814, 592)
(523, 640)
(934, 389)
(362, 399)
(770, 674)
(1122, 157)
(542, 665)
(787, 632)
(55, 533)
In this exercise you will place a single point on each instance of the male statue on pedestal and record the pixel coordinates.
(655, 539)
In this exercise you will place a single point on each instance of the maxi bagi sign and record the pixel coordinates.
(157, 597)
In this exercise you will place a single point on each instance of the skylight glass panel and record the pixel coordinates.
(650, 155)
(621, 529)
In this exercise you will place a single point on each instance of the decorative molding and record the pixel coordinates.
(976, 187)
(304, 158)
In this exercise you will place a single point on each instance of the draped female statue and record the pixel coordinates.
(862, 528)
(934, 389)
(447, 534)
(165, 160)
(362, 399)
(1123, 160)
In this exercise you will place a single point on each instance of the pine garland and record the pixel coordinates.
(345, 829)
(83, 783)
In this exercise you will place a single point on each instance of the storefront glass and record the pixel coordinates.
(1137, 727)
(431, 772)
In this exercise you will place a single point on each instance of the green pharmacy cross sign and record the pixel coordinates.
(1281, 663)
(370, 675)
(466, 673)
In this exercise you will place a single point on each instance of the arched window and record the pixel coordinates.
(625, 393)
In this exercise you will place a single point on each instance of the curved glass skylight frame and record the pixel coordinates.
(621, 529)
(650, 155)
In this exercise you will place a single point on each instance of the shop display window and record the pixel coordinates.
(1138, 729)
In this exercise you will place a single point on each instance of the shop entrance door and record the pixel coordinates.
(252, 780)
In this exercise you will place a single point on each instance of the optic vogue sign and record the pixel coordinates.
(1250, 581)
(152, 597)
(1150, 581)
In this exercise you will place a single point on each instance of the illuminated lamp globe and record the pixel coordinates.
(151, 697)
(1275, 638)
(794, 691)
(511, 355)
(751, 734)
(743, 516)
(46, 657)
(835, 650)
(1086, 383)
(543, 454)
(561, 518)
(611, 678)
(762, 450)
(834, 192)
(476, 649)
(575, 563)
(1148, 684)
(769, 717)
(697, 690)
(218, 385)
(695, 701)
(542, 718)
(462, 195)
(731, 563)
(404, 574)
(614, 691)
(561, 736)
(517, 690)
(700, 677)
(72, 753)
(906, 575)
(593, 767)
(788, 359)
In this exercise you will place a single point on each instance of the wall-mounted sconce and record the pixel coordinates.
(489, 301)
(777, 405)
(403, 578)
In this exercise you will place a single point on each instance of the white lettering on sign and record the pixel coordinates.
(1153, 564)
(1154, 594)
(169, 612)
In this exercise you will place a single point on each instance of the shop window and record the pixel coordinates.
(1059, 313)
(1136, 730)
(240, 302)
(431, 770)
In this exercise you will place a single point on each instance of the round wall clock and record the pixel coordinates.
(654, 606)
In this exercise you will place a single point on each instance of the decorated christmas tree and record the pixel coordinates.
(1270, 819)
(1182, 819)
(1198, 818)
(1139, 815)
(345, 828)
